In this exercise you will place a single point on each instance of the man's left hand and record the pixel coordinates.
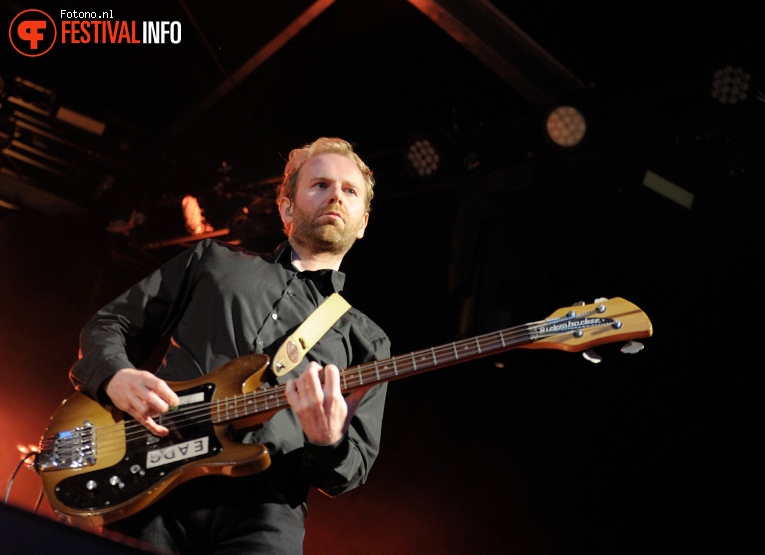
(316, 399)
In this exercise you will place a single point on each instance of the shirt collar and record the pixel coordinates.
(331, 278)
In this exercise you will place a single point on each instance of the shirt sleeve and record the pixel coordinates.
(335, 469)
(125, 332)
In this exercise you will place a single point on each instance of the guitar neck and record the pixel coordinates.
(433, 358)
(271, 399)
(567, 329)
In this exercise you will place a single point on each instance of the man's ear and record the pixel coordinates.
(285, 210)
(362, 226)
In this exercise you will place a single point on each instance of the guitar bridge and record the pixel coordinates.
(69, 449)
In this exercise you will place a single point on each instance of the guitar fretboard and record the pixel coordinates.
(354, 377)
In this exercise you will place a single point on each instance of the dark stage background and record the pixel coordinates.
(528, 452)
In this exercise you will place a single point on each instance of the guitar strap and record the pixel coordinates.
(308, 333)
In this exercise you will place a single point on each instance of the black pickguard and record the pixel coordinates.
(134, 475)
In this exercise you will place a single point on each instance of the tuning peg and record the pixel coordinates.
(600, 300)
(632, 347)
(592, 356)
(578, 303)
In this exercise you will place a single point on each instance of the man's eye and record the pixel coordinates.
(321, 185)
(351, 191)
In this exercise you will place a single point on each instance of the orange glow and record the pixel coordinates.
(26, 449)
(192, 213)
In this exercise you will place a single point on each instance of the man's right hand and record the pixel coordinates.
(143, 396)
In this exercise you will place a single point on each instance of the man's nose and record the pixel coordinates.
(335, 194)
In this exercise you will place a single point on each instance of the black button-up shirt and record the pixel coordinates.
(216, 303)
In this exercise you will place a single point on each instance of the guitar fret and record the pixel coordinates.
(361, 377)
(377, 371)
(478, 344)
(433, 354)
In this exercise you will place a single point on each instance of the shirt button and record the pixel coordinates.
(274, 316)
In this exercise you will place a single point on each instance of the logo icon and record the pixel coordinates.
(32, 33)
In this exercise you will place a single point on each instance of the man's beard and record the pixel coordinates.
(326, 238)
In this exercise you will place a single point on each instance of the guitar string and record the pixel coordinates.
(402, 364)
(112, 437)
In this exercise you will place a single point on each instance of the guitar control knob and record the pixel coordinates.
(91, 485)
(116, 482)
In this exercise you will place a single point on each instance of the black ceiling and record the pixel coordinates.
(250, 80)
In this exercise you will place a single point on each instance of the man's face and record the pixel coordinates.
(328, 212)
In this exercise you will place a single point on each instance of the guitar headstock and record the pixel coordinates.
(579, 328)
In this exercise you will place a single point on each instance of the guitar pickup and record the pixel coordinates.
(68, 449)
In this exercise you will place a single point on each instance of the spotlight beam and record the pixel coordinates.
(504, 48)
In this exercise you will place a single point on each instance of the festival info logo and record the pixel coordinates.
(32, 33)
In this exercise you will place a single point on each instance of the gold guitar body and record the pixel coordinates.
(118, 467)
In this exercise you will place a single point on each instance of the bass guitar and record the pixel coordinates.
(98, 465)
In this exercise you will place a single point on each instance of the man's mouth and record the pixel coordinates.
(333, 216)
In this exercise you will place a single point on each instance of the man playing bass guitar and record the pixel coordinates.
(216, 303)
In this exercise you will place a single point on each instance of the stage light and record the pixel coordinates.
(730, 84)
(194, 216)
(81, 121)
(668, 190)
(423, 157)
(566, 126)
